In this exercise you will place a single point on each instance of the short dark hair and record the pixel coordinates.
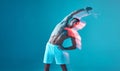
(75, 20)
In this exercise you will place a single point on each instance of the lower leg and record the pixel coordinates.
(64, 68)
(47, 66)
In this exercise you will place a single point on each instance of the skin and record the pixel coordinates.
(59, 34)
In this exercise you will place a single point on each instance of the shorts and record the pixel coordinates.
(54, 52)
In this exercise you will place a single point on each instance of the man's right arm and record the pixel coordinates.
(66, 19)
(87, 9)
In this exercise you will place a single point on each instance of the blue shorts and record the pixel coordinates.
(54, 52)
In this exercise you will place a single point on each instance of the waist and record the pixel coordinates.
(54, 43)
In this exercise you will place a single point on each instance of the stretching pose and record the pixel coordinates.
(67, 28)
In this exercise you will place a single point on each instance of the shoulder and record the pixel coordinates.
(70, 33)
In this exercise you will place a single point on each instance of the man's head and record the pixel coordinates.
(76, 24)
(72, 22)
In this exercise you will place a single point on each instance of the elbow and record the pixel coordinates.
(73, 47)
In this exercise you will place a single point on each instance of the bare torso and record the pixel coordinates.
(61, 32)
(58, 35)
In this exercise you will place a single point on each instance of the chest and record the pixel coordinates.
(73, 33)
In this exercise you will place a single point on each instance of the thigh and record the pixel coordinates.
(48, 56)
(60, 57)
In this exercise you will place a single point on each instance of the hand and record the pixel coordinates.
(89, 8)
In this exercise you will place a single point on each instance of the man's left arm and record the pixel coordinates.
(72, 47)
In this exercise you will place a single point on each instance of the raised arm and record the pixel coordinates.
(77, 14)
(68, 17)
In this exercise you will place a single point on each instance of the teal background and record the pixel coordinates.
(25, 27)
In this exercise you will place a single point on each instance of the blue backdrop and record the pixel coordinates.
(25, 27)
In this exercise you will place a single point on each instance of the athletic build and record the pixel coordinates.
(67, 28)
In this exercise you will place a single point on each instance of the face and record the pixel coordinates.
(78, 25)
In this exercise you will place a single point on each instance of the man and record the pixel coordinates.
(67, 28)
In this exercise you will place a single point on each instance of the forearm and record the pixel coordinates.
(72, 14)
(77, 11)
(67, 48)
(86, 10)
